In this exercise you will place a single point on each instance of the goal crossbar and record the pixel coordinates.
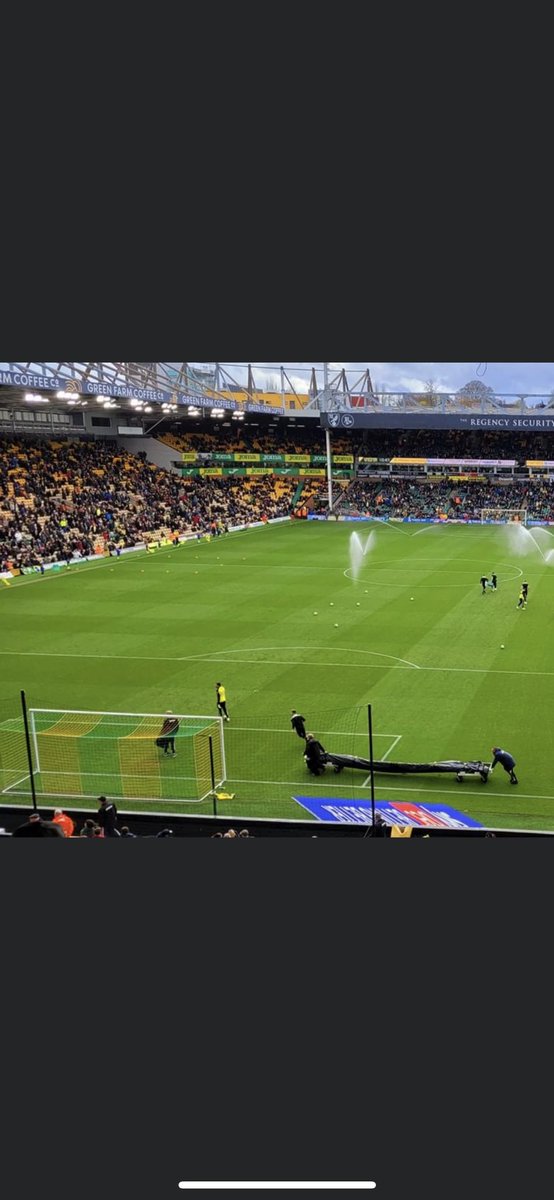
(94, 712)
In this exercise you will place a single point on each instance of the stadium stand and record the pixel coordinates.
(458, 501)
(72, 499)
(77, 498)
(301, 441)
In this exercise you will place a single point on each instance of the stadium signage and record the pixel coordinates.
(433, 421)
(473, 478)
(88, 387)
(469, 462)
(408, 462)
(314, 460)
(55, 383)
(291, 472)
(359, 812)
(59, 566)
(452, 462)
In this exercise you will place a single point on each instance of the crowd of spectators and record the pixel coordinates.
(305, 439)
(104, 825)
(74, 498)
(458, 443)
(402, 498)
(61, 824)
(71, 499)
(379, 443)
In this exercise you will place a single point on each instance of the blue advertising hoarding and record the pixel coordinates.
(358, 812)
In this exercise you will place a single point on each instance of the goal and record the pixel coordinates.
(88, 754)
(503, 516)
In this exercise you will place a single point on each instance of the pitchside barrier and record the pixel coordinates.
(496, 516)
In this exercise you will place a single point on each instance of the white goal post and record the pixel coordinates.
(503, 516)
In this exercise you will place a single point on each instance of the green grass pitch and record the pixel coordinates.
(145, 633)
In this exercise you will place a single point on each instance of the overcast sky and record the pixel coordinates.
(507, 378)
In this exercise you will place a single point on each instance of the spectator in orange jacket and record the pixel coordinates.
(65, 822)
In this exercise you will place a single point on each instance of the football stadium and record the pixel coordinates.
(244, 605)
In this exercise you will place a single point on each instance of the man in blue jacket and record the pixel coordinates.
(506, 760)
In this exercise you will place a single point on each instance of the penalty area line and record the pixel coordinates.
(398, 739)
(432, 797)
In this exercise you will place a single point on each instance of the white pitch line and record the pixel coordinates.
(6, 791)
(262, 662)
(432, 797)
(323, 649)
(285, 662)
(207, 658)
(118, 657)
(398, 738)
(45, 797)
(64, 654)
(385, 756)
(393, 747)
(77, 569)
(269, 662)
(323, 732)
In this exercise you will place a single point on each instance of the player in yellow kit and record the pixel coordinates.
(222, 702)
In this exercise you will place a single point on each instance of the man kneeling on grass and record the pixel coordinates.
(168, 732)
(315, 756)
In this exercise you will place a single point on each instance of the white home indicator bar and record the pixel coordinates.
(336, 1186)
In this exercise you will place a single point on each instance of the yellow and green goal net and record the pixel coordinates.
(133, 756)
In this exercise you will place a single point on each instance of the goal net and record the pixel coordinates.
(14, 764)
(503, 516)
(122, 755)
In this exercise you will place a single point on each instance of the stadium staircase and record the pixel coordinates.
(297, 494)
(341, 501)
(156, 452)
